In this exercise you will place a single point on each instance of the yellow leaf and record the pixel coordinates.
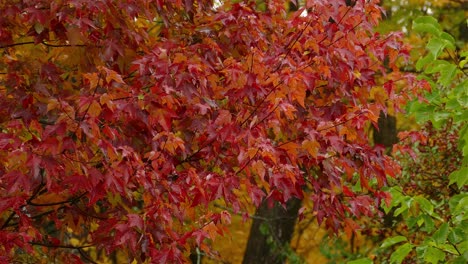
(74, 241)
(74, 36)
(357, 74)
(52, 104)
(312, 147)
(38, 27)
(259, 168)
(379, 95)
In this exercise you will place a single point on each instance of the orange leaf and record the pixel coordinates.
(94, 109)
(93, 79)
(312, 147)
(259, 168)
(291, 148)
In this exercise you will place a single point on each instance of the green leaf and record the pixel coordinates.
(439, 118)
(460, 177)
(460, 210)
(427, 20)
(453, 104)
(436, 66)
(401, 253)
(411, 221)
(455, 201)
(422, 111)
(460, 260)
(464, 136)
(456, 235)
(392, 241)
(463, 248)
(403, 208)
(264, 229)
(450, 40)
(463, 62)
(428, 223)
(463, 141)
(446, 69)
(436, 46)
(440, 236)
(447, 74)
(461, 116)
(360, 261)
(427, 24)
(433, 255)
(424, 204)
(449, 248)
(424, 61)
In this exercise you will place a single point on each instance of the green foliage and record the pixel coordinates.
(449, 97)
(284, 250)
(393, 240)
(435, 219)
(400, 253)
(339, 249)
(360, 261)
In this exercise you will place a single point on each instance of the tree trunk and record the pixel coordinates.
(271, 233)
(386, 134)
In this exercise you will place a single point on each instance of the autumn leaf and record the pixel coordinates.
(312, 147)
(124, 122)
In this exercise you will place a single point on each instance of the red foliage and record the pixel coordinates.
(174, 104)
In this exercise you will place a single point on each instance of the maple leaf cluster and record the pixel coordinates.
(122, 121)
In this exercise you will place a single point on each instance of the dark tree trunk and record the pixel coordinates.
(386, 134)
(195, 257)
(271, 231)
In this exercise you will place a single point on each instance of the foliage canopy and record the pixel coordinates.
(122, 121)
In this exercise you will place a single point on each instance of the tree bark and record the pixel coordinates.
(271, 231)
(386, 134)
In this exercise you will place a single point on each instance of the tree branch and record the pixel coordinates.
(70, 201)
(43, 43)
(49, 245)
(85, 256)
(34, 195)
(16, 44)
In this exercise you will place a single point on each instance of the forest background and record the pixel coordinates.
(117, 139)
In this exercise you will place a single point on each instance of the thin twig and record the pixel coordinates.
(59, 246)
(70, 201)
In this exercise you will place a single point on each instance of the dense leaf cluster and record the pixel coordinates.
(122, 121)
